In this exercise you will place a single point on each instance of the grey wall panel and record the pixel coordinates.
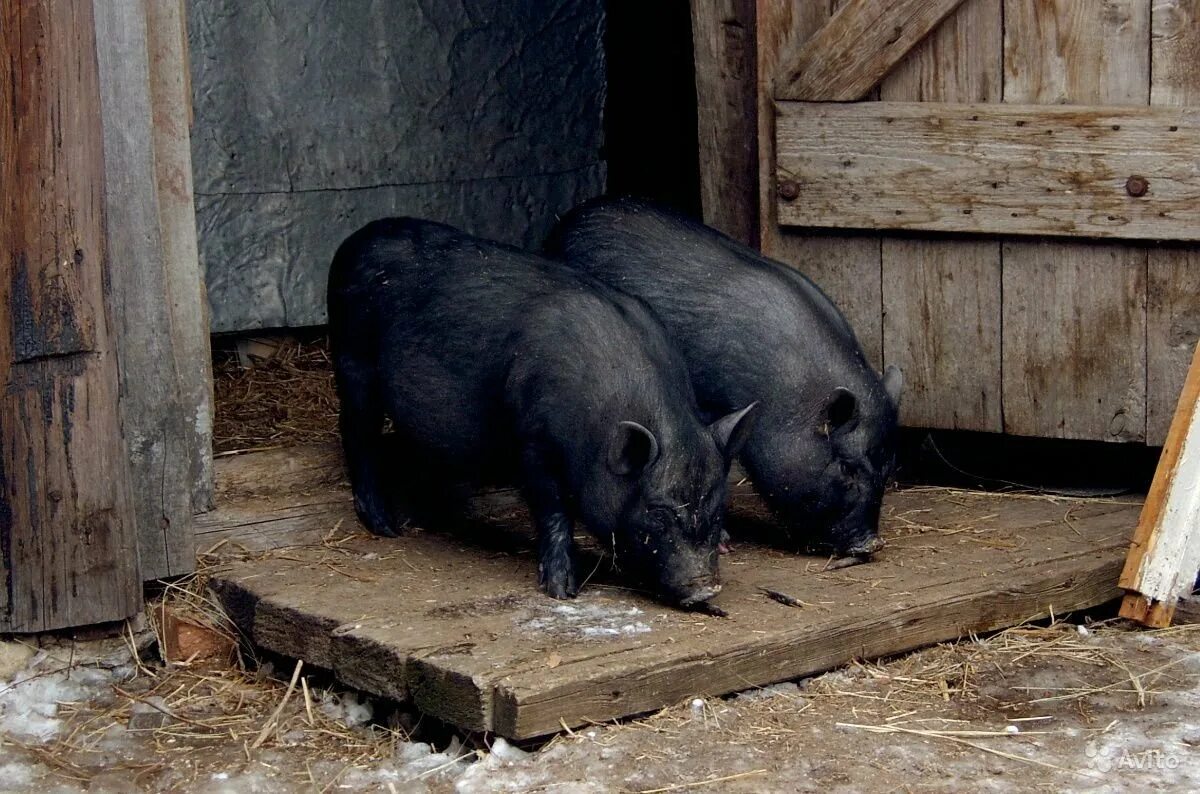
(268, 253)
(314, 117)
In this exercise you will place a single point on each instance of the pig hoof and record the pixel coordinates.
(560, 584)
(374, 519)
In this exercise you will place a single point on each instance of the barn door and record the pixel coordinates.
(1011, 217)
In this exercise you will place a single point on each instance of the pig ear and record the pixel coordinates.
(893, 383)
(633, 449)
(732, 430)
(840, 408)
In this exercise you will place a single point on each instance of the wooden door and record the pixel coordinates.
(1002, 197)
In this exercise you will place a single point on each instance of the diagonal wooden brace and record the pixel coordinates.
(1165, 554)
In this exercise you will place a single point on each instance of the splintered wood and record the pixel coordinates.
(453, 622)
(1165, 553)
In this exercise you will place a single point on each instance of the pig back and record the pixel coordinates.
(748, 326)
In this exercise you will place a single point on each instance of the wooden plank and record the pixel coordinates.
(846, 267)
(161, 428)
(726, 105)
(1173, 284)
(171, 109)
(1002, 169)
(1172, 329)
(1074, 343)
(861, 44)
(1074, 314)
(1071, 52)
(477, 645)
(941, 298)
(777, 24)
(67, 531)
(1164, 555)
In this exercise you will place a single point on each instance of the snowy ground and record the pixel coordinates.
(1060, 708)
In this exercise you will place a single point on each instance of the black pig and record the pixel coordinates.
(751, 328)
(498, 366)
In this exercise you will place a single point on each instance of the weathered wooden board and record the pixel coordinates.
(162, 429)
(1077, 52)
(453, 622)
(1164, 554)
(994, 168)
(941, 298)
(1173, 283)
(1074, 344)
(1172, 329)
(67, 531)
(847, 57)
(171, 113)
(724, 50)
(1074, 313)
(776, 25)
(845, 266)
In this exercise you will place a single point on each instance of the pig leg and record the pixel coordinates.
(556, 541)
(361, 423)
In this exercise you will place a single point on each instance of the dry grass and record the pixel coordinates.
(970, 696)
(222, 716)
(286, 398)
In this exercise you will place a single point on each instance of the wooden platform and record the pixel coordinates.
(455, 623)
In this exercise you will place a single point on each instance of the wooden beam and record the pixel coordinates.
(726, 109)
(857, 48)
(1110, 172)
(171, 113)
(67, 530)
(162, 339)
(1164, 555)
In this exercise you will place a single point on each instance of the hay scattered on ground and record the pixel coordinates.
(279, 393)
(219, 716)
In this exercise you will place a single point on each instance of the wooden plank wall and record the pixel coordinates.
(1046, 337)
(1074, 334)
(67, 538)
(846, 266)
(1173, 273)
(941, 298)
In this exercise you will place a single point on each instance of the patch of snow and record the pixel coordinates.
(15, 776)
(507, 752)
(591, 620)
(787, 689)
(29, 702)
(347, 707)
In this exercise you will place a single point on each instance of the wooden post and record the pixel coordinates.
(67, 532)
(171, 114)
(723, 34)
(1165, 554)
(160, 325)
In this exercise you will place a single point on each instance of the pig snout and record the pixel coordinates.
(864, 547)
(698, 590)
